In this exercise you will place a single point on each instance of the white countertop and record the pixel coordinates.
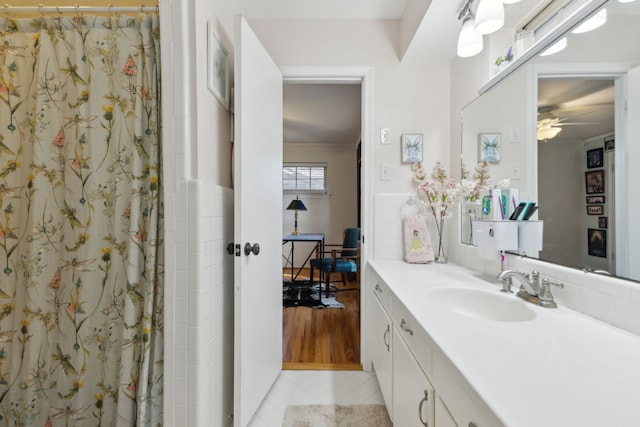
(560, 369)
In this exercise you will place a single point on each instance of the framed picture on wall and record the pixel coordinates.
(217, 67)
(594, 182)
(610, 143)
(595, 158)
(595, 210)
(489, 146)
(411, 147)
(602, 222)
(595, 200)
(597, 242)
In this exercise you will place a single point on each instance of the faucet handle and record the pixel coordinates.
(545, 296)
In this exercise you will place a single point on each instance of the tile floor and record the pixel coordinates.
(316, 387)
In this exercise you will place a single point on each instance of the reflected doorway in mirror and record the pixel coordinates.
(490, 147)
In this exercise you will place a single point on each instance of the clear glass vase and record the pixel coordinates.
(439, 240)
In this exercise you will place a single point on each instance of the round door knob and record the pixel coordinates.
(248, 249)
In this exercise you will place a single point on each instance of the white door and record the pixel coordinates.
(257, 220)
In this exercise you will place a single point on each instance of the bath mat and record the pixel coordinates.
(336, 416)
(308, 295)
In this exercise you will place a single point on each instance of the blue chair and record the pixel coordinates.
(345, 258)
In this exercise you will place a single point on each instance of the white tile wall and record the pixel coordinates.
(201, 343)
(387, 225)
(608, 299)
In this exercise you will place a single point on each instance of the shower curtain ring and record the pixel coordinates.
(6, 9)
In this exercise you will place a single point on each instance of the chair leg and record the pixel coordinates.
(327, 284)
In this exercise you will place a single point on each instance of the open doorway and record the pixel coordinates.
(322, 135)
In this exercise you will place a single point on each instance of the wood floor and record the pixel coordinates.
(326, 338)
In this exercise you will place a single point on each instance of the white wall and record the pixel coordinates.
(561, 168)
(331, 213)
(408, 98)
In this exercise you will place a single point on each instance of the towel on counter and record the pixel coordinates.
(417, 240)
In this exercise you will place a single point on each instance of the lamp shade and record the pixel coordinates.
(296, 205)
(489, 16)
(510, 1)
(469, 42)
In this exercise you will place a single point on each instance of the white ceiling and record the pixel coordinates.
(321, 113)
(325, 9)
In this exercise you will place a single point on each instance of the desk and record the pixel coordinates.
(318, 238)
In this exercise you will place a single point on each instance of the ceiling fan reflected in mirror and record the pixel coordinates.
(549, 125)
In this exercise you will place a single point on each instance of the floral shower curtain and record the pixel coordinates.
(81, 241)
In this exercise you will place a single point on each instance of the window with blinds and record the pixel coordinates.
(304, 178)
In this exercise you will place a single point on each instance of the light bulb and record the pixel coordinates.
(469, 42)
(489, 16)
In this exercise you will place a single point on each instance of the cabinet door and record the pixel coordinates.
(381, 349)
(443, 417)
(413, 396)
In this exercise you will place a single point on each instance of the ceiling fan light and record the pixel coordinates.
(510, 1)
(489, 16)
(546, 133)
(596, 21)
(470, 43)
(556, 47)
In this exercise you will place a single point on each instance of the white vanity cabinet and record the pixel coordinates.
(413, 394)
(420, 387)
(381, 346)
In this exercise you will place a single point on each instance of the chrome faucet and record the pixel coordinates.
(534, 289)
(531, 285)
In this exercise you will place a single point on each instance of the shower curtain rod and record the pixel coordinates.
(77, 9)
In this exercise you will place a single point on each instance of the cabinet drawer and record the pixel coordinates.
(418, 341)
(382, 291)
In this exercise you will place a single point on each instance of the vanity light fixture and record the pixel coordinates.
(489, 16)
(556, 47)
(596, 21)
(470, 43)
(510, 1)
(625, 1)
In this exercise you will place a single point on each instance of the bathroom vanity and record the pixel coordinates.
(449, 349)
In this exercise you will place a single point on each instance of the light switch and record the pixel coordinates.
(515, 171)
(385, 174)
(385, 136)
(514, 135)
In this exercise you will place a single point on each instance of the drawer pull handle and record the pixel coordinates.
(378, 288)
(404, 327)
(385, 336)
(424, 399)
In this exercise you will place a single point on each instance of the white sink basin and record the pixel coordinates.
(480, 304)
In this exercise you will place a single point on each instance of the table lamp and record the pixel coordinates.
(296, 205)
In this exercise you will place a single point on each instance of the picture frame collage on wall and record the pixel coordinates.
(595, 199)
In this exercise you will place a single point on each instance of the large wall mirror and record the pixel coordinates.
(570, 141)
